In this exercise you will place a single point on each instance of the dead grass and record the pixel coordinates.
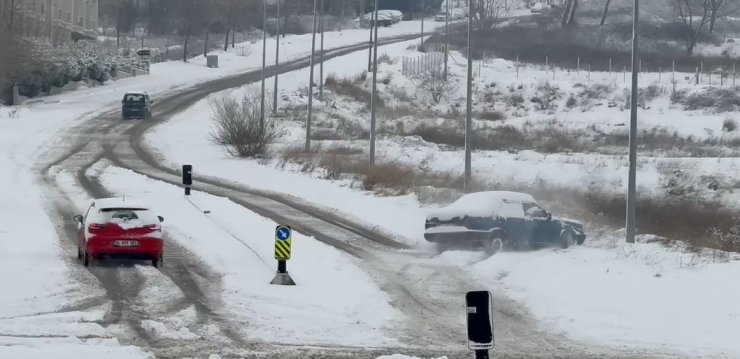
(352, 89)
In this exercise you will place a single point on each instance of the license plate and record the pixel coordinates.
(125, 243)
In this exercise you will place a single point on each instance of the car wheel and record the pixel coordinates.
(581, 240)
(85, 259)
(441, 247)
(567, 239)
(493, 245)
(157, 262)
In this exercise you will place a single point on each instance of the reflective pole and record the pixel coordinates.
(277, 61)
(631, 192)
(469, 110)
(310, 80)
(375, 89)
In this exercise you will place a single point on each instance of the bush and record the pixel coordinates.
(721, 100)
(729, 125)
(490, 116)
(238, 126)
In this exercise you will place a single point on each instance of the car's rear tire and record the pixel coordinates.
(86, 261)
(441, 247)
(79, 253)
(157, 262)
(493, 245)
(567, 239)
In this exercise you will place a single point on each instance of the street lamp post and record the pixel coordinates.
(375, 88)
(632, 179)
(310, 80)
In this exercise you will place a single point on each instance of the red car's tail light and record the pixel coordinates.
(153, 227)
(95, 228)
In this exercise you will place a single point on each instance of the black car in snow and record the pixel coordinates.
(136, 105)
(495, 220)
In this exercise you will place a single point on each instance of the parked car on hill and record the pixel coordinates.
(385, 17)
(495, 220)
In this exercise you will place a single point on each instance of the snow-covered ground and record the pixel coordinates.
(52, 307)
(643, 295)
(239, 246)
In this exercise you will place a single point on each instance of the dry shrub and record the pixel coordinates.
(353, 89)
(324, 134)
(239, 128)
(385, 59)
(729, 125)
(492, 116)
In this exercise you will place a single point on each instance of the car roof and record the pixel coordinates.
(120, 202)
(498, 196)
(136, 93)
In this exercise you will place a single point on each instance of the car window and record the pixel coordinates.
(510, 209)
(121, 215)
(533, 210)
(134, 98)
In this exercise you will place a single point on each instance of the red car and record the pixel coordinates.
(119, 228)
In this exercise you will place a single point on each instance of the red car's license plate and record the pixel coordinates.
(125, 243)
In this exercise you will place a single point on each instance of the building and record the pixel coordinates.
(60, 20)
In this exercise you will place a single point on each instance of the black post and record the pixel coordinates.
(282, 266)
(481, 354)
(187, 178)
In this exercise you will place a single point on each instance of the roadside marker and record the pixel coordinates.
(283, 240)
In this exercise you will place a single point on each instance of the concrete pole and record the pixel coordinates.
(422, 24)
(447, 39)
(632, 180)
(373, 101)
(277, 61)
(321, 55)
(469, 107)
(264, 63)
(310, 79)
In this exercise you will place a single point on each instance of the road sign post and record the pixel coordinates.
(283, 240)
(187, 178)
(479, 309)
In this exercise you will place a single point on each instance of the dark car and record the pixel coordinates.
(495, 220)
(136, 105)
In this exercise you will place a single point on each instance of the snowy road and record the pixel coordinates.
(189, 293)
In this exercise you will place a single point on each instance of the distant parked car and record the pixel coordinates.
(455, 14)
(136, 105)
(495, 220)
(385, 17)
(119, 227)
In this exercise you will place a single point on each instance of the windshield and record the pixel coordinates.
(134, 98)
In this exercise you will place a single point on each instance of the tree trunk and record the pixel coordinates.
(233, 35)
(603, 13)
(566, 13)
(712, 19)
(185, 49)
(205, 46)
(572, 15)
(226, 44)
(118, 37)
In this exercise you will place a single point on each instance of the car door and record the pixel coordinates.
(517, 225)
(545, 229)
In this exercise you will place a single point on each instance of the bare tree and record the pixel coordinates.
(431, 80)
(604, 12)
(720, 9)
(566, 10)
(486, 13)
(124, 14)
(239, 128)
(695, 15)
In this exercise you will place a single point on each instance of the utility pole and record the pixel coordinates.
(447, 41)
(321, 54)
(310, 80)
(370, 49)
(422, 24)
(375, 89)
(631, 192)
(469, 110)
(264, 62)
(277, 61)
